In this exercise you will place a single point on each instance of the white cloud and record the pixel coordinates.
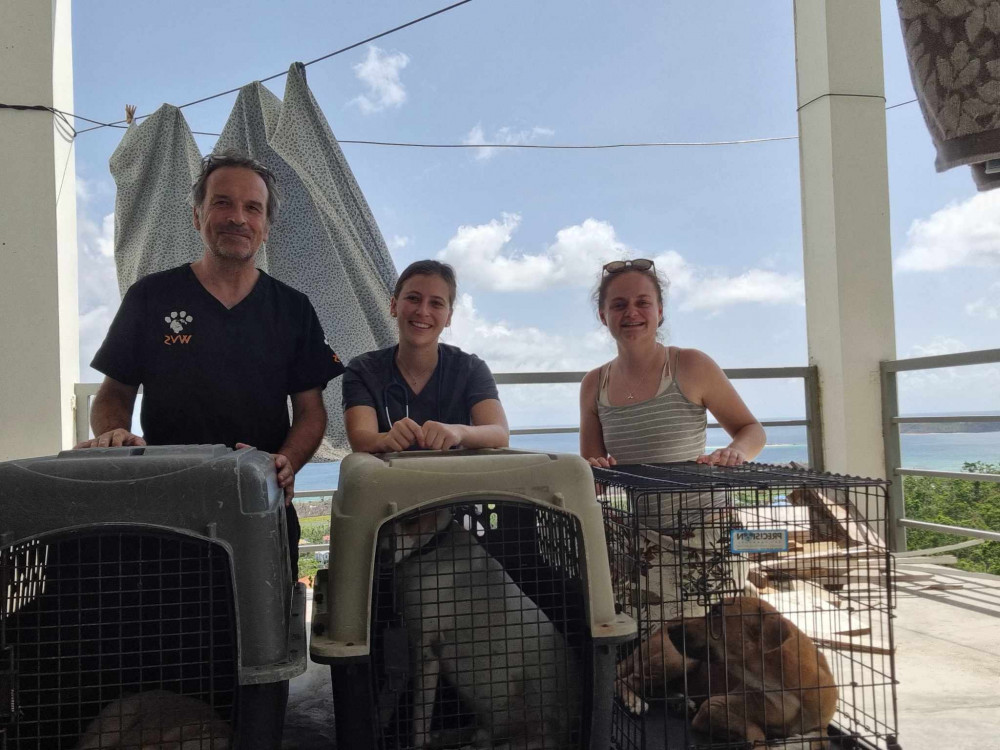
(83, 191)
(961, 234)
(505, 135)
(971, 389)
(985, 308)
(98, 286)
(938, 345)
(478, 253)
(398, 243)
(508, 348)
(483, 258)
(756, 285)
(380, 72)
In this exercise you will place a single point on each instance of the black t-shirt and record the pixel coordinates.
(459, 382)
(211, 374)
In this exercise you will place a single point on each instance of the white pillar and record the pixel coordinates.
(39, 317)
(845, 223)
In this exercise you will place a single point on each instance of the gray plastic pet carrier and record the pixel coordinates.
(468, 602)
(145, 600)
(764, 600)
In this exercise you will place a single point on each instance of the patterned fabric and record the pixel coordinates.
(325, 241)
(154, 167)
(954, 59)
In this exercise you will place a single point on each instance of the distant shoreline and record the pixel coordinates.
(928, 428)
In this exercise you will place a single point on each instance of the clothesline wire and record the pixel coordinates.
(123, 124)
(348, 48)
(62, 115)
(563, 147)
(406, 144)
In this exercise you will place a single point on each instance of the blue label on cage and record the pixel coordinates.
(756, 541)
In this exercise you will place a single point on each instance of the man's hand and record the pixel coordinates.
(403, 434)
(283, 469)
(112, 439)
(286, 476)
(439, 436)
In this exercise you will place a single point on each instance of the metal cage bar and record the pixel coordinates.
(492, 594)
(112, 628)
(680, 566)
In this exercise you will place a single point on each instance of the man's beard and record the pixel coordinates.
(223, 252)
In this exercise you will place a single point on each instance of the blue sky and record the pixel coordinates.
(527, 230)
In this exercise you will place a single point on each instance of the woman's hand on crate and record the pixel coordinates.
(723, 457)
(601, 462)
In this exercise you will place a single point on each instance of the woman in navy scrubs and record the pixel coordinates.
(422, 394)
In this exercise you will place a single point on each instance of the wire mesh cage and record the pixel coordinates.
(763, 597)
(121, 601)
(102, 623)
(490, 620)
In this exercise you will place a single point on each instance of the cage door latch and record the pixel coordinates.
(8, 690)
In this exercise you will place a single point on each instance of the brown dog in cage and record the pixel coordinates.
(469, 623)
(759, 676)
(156, 720)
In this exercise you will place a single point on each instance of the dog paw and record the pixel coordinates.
(177, 321)
(631, 700)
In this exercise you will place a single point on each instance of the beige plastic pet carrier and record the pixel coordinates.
(468, 602)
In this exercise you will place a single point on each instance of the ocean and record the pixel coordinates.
(935, 451)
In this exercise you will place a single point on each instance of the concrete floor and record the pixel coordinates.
(948, 660)
(947, 664)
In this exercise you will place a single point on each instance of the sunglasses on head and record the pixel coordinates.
(617, 266)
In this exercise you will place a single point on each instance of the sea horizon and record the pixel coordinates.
(945, 451)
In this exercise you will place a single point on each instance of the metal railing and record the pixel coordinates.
(893, 453)
(84, 392)
(809, 376)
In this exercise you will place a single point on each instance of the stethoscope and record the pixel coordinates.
(395, 386)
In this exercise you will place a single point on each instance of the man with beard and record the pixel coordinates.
(217, 345)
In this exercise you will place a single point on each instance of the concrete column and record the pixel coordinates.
(39, 316)
(845, 223)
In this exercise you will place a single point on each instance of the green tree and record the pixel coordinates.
(956, 502)
(313, 531)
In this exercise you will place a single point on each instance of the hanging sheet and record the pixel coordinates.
(154, 167)
(325, 241)
(954, 57)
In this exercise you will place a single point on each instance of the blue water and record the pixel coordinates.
(936, 451)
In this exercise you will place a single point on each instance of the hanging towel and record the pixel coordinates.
(154, 167)
(954, 58)
(324, 242)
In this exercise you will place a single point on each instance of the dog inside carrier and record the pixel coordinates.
(489, 614)
(106, 628)
(763, 597)
(152, 612)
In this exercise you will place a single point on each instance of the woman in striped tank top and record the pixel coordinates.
(648, 404)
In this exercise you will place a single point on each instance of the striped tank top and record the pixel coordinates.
(662, 429)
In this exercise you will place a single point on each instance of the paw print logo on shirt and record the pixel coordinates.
(177, 320)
